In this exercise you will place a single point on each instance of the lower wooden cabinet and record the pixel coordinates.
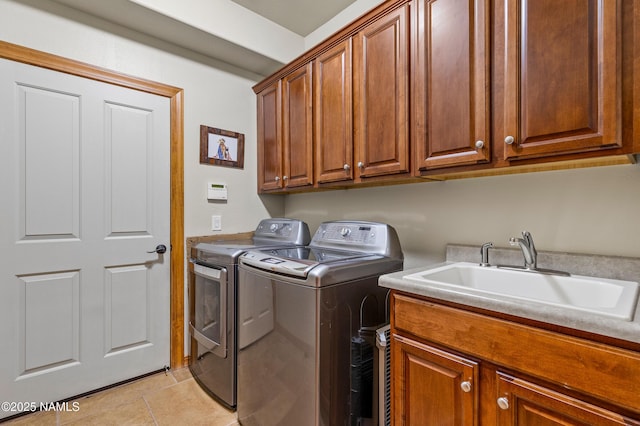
(453, 367)
(521, 402)
(420, 369)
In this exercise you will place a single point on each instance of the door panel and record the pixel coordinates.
(128, 139)
(126, 310)
(49, 330)
(49, 163)
(84, 179)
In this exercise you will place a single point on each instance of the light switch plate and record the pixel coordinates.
(216, 223)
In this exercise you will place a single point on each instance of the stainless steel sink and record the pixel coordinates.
(606, 297)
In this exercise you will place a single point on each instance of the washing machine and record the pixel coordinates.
(307, 320)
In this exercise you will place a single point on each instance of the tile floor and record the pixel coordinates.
(161, 399)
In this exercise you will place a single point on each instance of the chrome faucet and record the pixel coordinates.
(530, 256)
(528, 249)
(484, 253)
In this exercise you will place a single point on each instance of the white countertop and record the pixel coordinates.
(585, 321)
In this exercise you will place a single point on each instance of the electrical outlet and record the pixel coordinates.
(216, 223)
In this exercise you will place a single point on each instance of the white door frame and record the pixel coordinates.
(45, 60)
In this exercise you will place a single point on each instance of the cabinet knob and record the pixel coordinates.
(509, 140)
(479, 144)
(465, 386)
(285, 177)
(346, 167)
(503, 403)
(360, 165)
(277, 179)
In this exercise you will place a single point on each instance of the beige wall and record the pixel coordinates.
(215, 94)
(593, 210)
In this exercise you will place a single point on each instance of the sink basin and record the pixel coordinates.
(606, 297)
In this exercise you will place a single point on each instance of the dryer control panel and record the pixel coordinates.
(366, 237)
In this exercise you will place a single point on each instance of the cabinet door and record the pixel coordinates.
(431, 386)
(297, 128)
(561, 77)
(451, 83)
(381, 93)
(333, 131)
(523, 403)
(269, 138)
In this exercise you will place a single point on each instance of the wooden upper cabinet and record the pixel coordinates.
(561, 76)
(297, 128)
(269, 138)
(333, 114)
(381, 96)
(431, 87)
(431, 386)
(451, 83)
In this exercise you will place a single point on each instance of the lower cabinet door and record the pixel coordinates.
(524, 403)
(431, 386)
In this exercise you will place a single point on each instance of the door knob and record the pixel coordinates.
(160, 249)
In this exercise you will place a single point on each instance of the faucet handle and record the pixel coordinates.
(484, 252)
(526, 235)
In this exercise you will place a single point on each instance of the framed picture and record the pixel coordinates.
(221, 147)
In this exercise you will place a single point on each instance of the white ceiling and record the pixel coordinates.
(300, 16)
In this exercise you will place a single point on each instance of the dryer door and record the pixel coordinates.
(208, 325)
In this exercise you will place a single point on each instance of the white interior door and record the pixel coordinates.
(84, 195)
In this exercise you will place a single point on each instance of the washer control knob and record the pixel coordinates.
(345, 232)
(273, 227)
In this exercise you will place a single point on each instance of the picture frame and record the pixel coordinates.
(221, 147)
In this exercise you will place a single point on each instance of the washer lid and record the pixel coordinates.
(312, 254)
(264, 261)
(297, 261)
